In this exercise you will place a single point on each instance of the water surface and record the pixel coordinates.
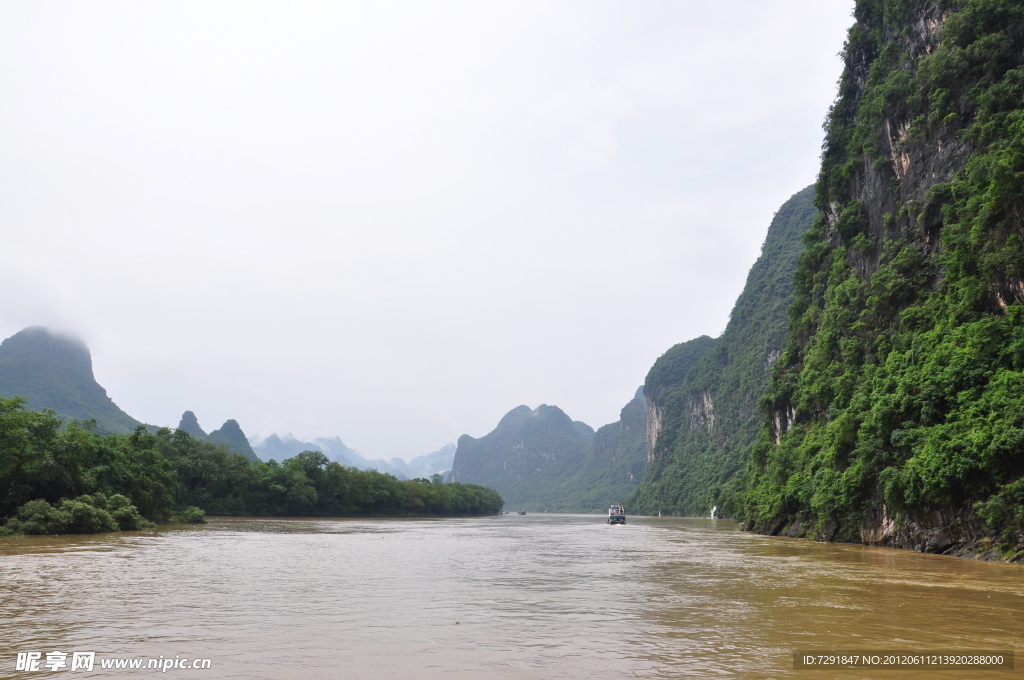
(535, 596)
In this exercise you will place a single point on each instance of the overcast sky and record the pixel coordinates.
(394, 222)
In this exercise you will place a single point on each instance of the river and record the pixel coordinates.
(516, 597)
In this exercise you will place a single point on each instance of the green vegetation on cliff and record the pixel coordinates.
(703, 394)
(897, 408)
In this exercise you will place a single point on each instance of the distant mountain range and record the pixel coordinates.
(278, 447)
(542, 460)
(230, 435)
(539, 458)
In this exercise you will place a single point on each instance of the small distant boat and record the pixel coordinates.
(617, 514)
(521, 512)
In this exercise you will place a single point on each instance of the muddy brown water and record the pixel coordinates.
(535, 596)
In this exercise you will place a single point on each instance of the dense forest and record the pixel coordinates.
(895, 414)
(67, 478)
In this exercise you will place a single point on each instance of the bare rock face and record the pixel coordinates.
(702, 412)
(654, 415)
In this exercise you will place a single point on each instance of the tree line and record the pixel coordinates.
(58, 477)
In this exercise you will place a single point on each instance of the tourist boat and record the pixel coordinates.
(617, 514)
(521, 512)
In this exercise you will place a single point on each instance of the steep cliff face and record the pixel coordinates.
(526, 457)
(896, 411)
(665, 388)
(702, 395)
(53, 371)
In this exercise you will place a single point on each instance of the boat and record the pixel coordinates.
(617, 514)
(521, 512)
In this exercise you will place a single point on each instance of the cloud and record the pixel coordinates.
(394, 222)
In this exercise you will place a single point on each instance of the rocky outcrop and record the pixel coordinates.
(945, 531)
(653, 421)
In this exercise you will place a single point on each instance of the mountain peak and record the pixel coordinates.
(189, 423)
(40, 345)
(231, 435)
(53, 370)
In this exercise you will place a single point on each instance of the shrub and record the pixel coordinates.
(37, 518)
(193, 515)
(125, 514)
(86, 518)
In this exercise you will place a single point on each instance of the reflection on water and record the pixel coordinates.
(535, 596)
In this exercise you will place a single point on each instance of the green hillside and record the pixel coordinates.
(703, 394)
(896, 412)
(526, 457)
(542, 460)
(53, 371)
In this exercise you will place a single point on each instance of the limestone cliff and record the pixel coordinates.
(895, 414)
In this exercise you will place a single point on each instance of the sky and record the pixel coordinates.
(395, 222)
